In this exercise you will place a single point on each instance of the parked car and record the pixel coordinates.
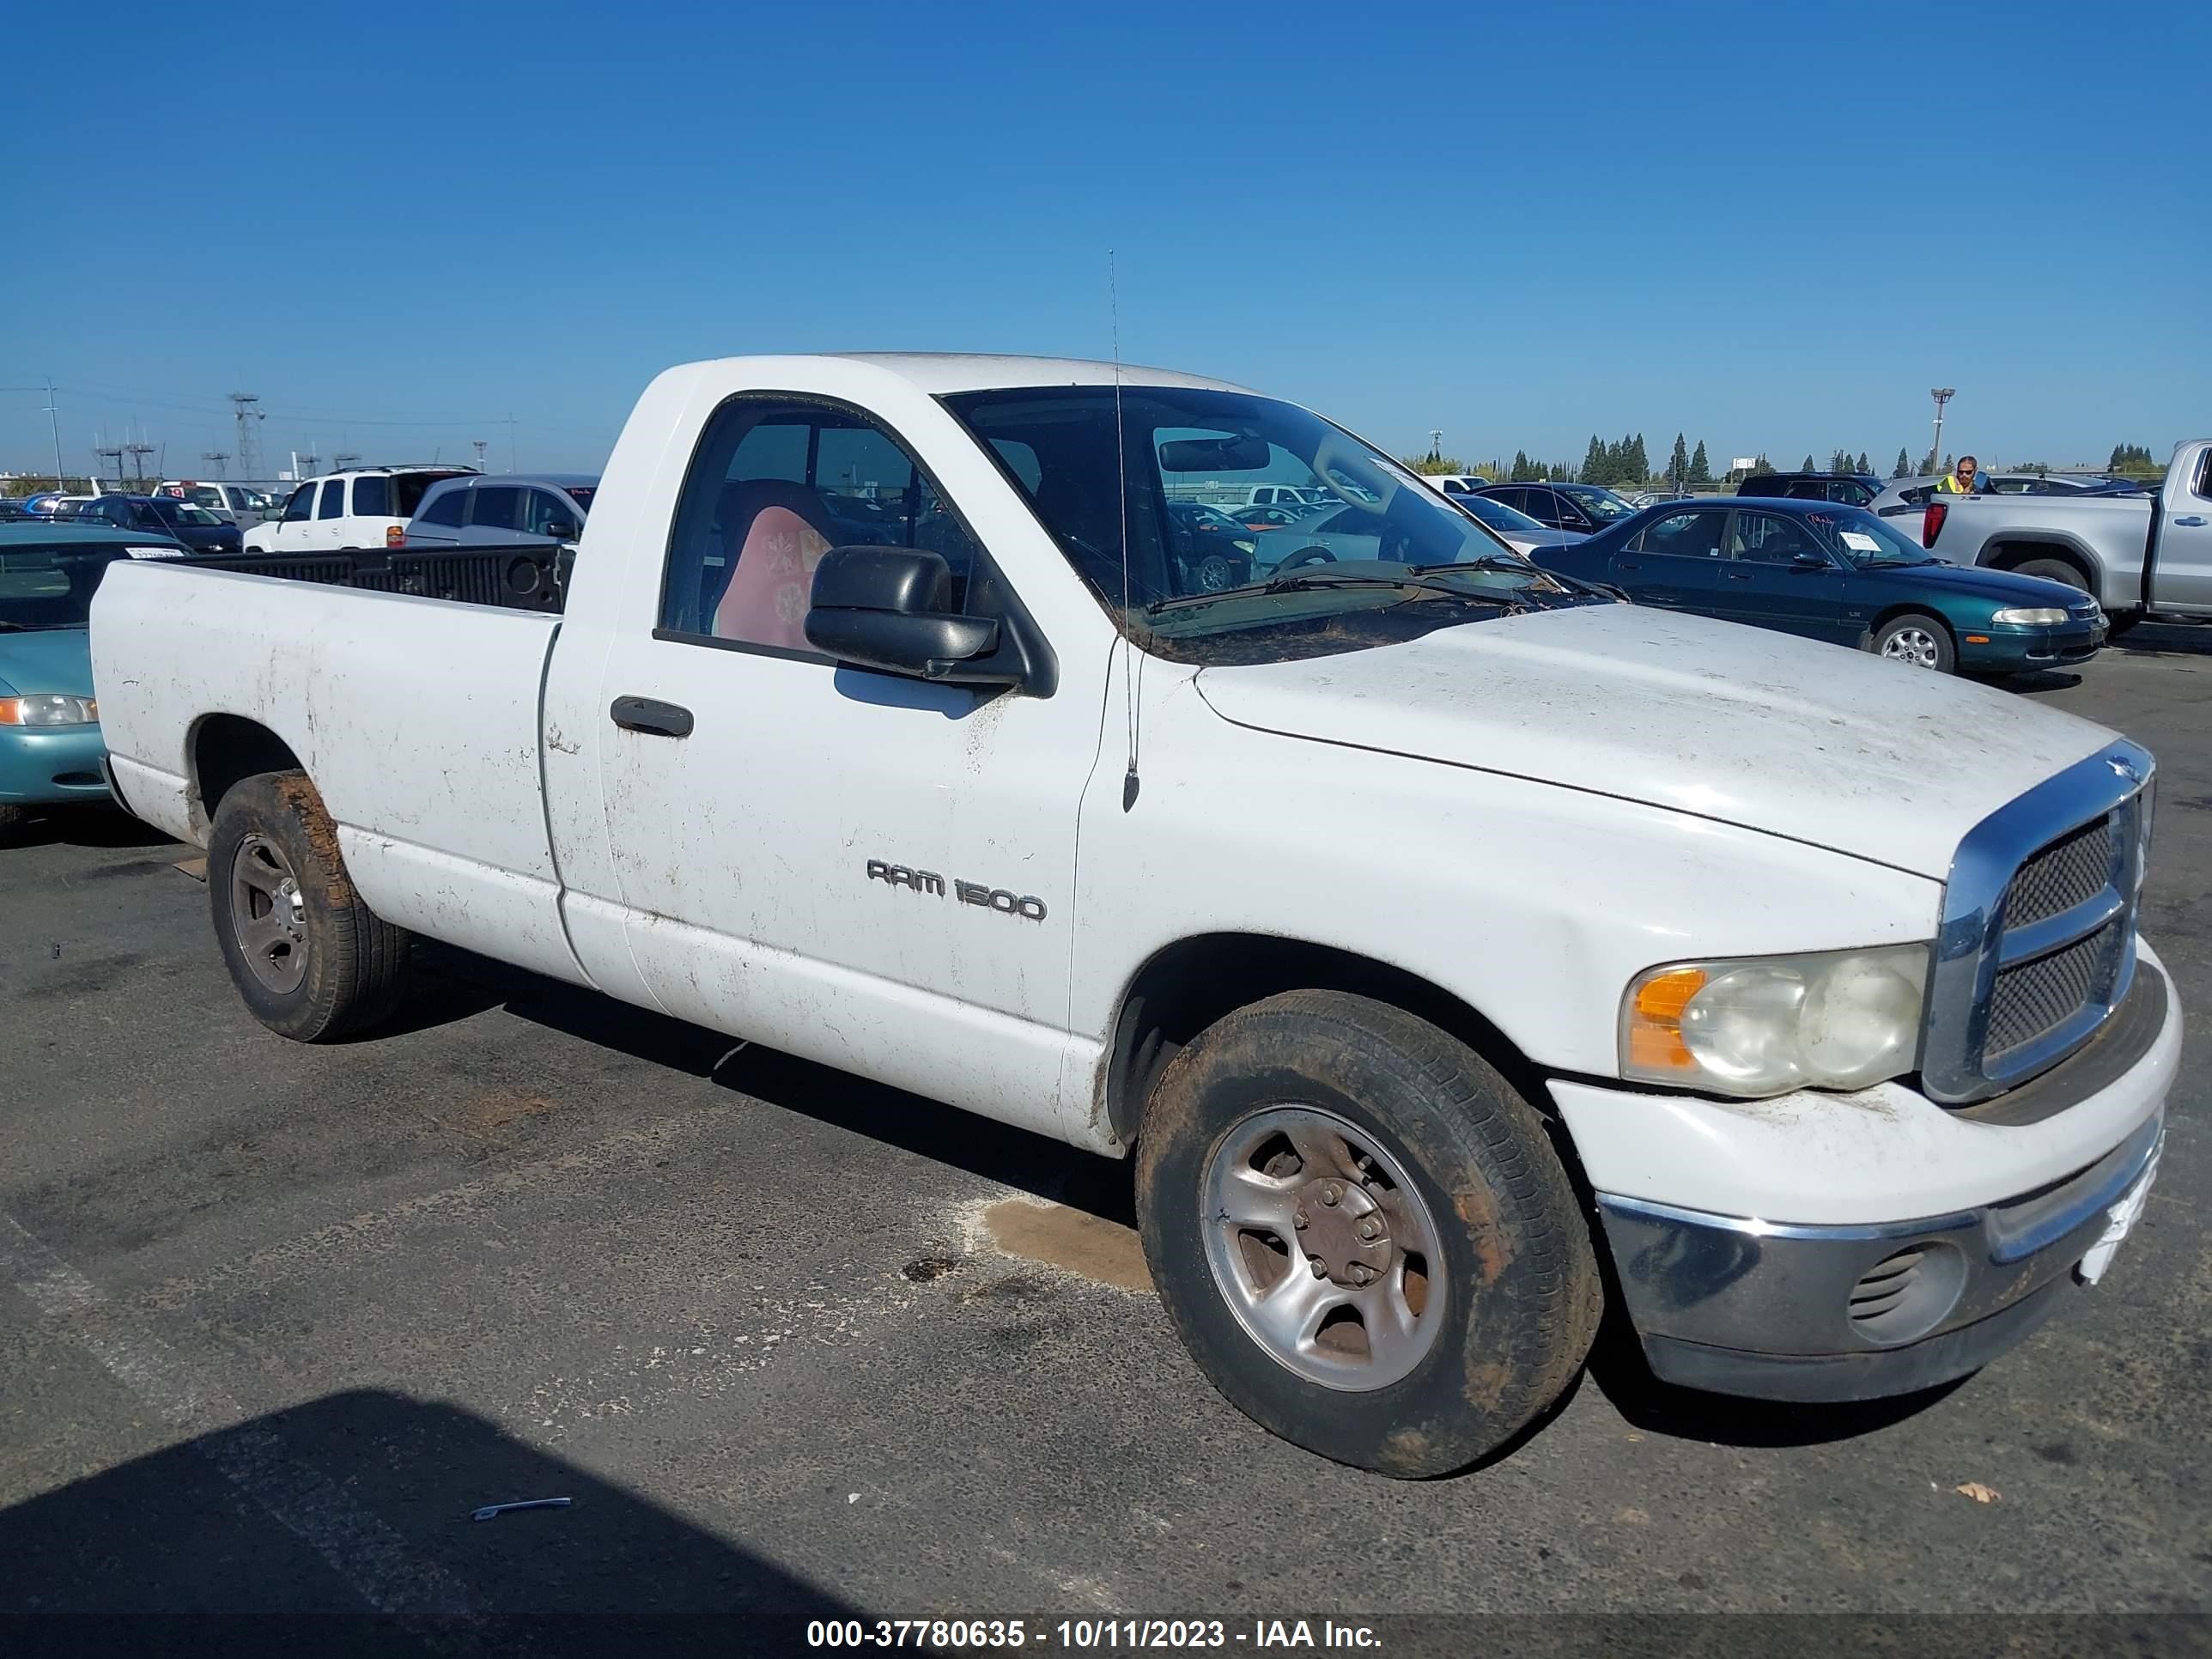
(1294, 496)
(164, 517)
(1214, 551)
(1583, 508)
(2135, 553)
(1515, 528)
(1765, 1028)
(1847, 488)
(369, 508)
(235, 504)
(50, 737)
(1838, 573)
(1257, 518)
(474, 510)
(1456, 483)
(54, 504)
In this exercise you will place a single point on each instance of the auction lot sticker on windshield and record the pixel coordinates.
(2123, 1217)
(1859, 542)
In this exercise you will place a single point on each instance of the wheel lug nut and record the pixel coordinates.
(1359, 1272)
(1298, 1220)
(1321, 1268)
(1368, 1229)
(1331, 1193)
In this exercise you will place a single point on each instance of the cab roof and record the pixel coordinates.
(939, 372)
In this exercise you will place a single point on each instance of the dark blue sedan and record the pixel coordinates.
(1835, 573)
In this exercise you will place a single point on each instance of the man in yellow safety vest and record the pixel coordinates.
(1964, 481)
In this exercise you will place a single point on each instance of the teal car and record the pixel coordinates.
(1840, 574)
(50, 743)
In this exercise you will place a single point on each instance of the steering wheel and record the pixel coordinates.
(1336, 455)
(1300, 560)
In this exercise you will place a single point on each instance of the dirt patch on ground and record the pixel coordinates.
(1075, 1241)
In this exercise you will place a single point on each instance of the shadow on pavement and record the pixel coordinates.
(343, 1525)
(84, 826)
(2152, 639)
(458, 984)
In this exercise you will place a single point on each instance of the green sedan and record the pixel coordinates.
(1838, 573)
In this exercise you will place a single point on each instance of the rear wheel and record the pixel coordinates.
(1915, 638)
(1363, 1235)
(2054, 570)
(310, 959)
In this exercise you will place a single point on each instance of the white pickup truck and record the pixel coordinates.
(1458, 950)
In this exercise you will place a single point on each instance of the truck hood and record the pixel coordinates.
(1818, 743)
(48, 660)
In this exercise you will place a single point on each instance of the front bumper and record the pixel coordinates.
(1826, 1246)
(49, 765)
(1747, 1307)
(2021, 650)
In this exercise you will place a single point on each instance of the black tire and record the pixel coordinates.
(12, 818)
(2053, 570)
(1522, 1293)
(1917, 628)
(347, 966)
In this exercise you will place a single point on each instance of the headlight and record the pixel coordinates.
(1764, 1025)
(48, 709)
(2030, 616)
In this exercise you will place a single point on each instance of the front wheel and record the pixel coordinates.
(1363, 1235)
(1918, 640)
(309, 958)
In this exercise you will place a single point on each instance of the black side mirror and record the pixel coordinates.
(562, 529)
(889, 608)
(1809, 562)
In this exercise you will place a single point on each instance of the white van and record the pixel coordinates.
(369, 508)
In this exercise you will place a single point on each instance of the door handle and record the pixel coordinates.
(1738, 575)
(2193, 521)
(662, 719)
(1626, 564)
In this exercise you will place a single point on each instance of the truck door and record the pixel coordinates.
(2181, 578)
(870, 871)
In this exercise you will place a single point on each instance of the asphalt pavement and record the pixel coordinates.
(275, 1321)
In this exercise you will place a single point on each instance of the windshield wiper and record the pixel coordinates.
(1302, 582)
(1513, 563)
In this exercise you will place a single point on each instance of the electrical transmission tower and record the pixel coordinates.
(114, 454)
(215, 458)
(249, 418)
(138, 451)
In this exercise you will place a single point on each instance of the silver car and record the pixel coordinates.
(479, 510)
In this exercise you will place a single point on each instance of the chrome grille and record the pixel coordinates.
(2038, 940)
(2037, 997)
(2071, 871)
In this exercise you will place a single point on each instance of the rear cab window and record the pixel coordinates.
(371, 497)
(446, 508)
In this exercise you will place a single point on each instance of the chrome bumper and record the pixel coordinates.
(1742, 1306)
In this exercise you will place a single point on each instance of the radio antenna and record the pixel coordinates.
(1129, 784)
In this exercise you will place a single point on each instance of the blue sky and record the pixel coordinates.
(1770, 228)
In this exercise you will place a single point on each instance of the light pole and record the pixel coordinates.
(1942, 394)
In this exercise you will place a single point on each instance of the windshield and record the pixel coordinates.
(1601, 504)
(1374, 550)
(1867, 539)
(44, 587)
(581, 495)
(204, 496)
(184, 513)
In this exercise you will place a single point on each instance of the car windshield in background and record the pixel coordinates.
(1601, 504)
(581, 495)
(44, 587)
(1499, 516)
(184, 513)
(1868, 539)
(1388, 560)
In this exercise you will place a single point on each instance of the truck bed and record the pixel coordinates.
(526, 576)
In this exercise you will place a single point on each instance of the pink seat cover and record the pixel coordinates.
(766, 601)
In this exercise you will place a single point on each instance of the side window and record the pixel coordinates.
(775, 485)
(371, 497)
(497, 507)
(1685, 535)
(447, 509)
(543, 511)
(333, 503)
(301, 506)
(1770, 539)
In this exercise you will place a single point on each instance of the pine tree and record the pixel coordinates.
(1904, 463)
(1678, 464)
(1635, 469)
(1840, 461)
(1701, 470)
(1808, 466)
(1522, 473)
(1596, 462)
(1865, 465)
